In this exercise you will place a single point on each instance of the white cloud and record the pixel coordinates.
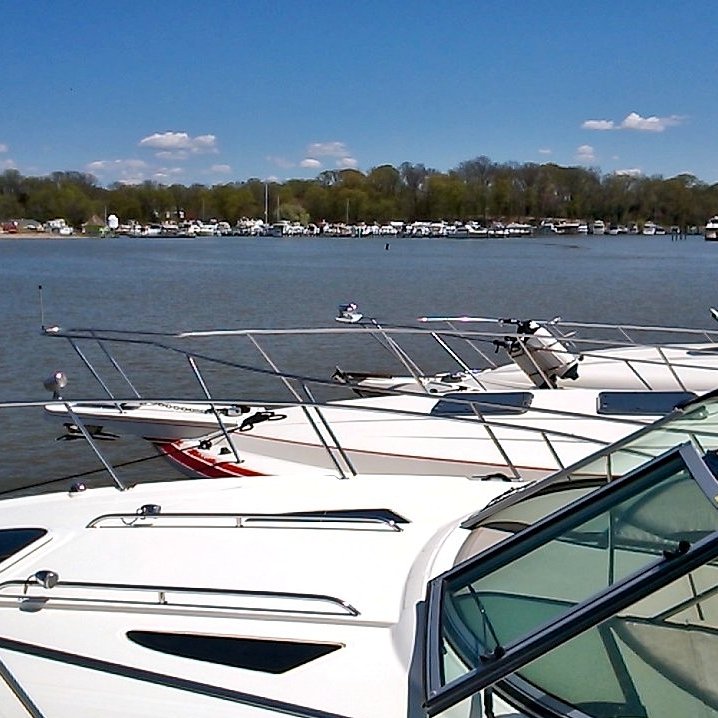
(311, 163)
(3, 147)
(220, 169)
(634, 121)
(599, 125)
(126, 171)
(178, 141)
(327, 149)
(585, 153)
(545, 151)
(164, 173)
(169, 155)
(8, 164)
(122, 165)
(632, 172)
(347, 163)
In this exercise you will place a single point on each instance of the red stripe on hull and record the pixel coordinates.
(194, 462)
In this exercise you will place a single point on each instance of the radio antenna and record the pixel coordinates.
(42, 308)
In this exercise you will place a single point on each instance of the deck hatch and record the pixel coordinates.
(485, 403)
(641, 403)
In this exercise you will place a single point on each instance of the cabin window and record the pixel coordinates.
(14, 540)
(254, 654)
(487, 404)
(640, 403)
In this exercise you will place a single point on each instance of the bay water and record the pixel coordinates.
(173, 285)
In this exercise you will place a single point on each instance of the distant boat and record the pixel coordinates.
(518, 229)
(711, 229)
(568, 226)
(598, 226)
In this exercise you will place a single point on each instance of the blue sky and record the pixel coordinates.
(226, 90)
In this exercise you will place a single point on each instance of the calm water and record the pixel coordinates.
(238, 282)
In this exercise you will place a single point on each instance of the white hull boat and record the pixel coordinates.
(404, 596)
(549, 354)
(519, 434)
(692, 367)
(710, 232)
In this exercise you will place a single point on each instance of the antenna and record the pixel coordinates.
(42, 308)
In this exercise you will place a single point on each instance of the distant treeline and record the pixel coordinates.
(477, 189)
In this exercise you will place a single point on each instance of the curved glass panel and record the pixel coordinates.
(556, 579)
(489, 610)
(656, 658)
(697, 424)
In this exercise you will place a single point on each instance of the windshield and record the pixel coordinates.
(697, 424)
(599, 586)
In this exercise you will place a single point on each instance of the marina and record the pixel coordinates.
(420, 229)
(297, 577)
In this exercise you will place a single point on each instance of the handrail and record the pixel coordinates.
(126, 336)
(234, 520)
(316, 419)
(329, 382)
(162, 596)
(89, 332)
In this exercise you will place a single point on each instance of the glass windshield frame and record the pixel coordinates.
(685, 424)
(441, 694)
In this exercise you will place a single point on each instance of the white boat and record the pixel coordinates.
(476, 230)
(598, 226)
(519, 229)
(567, 226)
(710, 232)
(514, 434)
(375, 596)
(557, 354)
(518, 433)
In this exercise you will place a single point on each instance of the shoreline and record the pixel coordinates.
(44, 235)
